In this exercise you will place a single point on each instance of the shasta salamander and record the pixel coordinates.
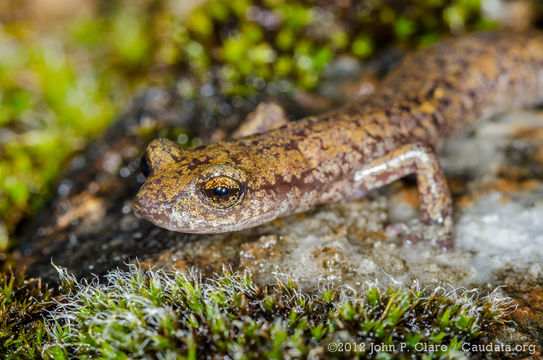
(433, 94)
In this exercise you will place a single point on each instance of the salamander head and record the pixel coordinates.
(201, 190)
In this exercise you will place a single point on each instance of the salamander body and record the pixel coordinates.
(433, 94)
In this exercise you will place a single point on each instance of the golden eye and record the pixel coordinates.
(222, 192)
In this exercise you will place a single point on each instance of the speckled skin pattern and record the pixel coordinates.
(433, 94)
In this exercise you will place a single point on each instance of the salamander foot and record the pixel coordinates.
(415, 231)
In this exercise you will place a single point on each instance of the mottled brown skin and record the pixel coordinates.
(433, 94)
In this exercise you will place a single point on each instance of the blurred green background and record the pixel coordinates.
(68, 68)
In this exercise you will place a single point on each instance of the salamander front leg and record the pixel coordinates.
(435, 199)
(266, 117)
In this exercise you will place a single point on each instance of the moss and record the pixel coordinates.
(23, 303)
(51, 105)
(278, 26)
(169, 314)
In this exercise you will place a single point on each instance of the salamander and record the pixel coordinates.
(431, 95)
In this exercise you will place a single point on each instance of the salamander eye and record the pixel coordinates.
(145, 168)
(222, 191)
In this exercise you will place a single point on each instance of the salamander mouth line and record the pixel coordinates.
(201, 226)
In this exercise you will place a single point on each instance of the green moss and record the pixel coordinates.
(170, 314)
(22, 325)
(161, 314)
(362, 46)
(50, 105)
(404, 27)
